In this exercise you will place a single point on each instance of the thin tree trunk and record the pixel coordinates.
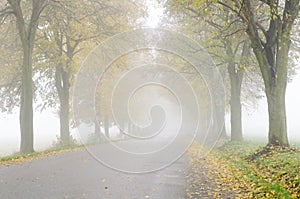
(27, 31)
(236, 76)
(106, 126)
(97, 129)
(236, 111)
(62, 85)
(64, 121)
(26, 110)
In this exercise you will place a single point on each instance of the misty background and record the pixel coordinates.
(255, 119)
(46, 123)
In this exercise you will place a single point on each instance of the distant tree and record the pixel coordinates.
(222, 34)
(72, 29)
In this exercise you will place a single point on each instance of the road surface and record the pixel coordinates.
(77, 175)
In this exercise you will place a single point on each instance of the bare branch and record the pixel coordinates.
(238, 13)
(5, 13)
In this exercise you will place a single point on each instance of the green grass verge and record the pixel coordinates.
(271, 175)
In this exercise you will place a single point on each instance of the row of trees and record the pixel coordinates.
(236, 26)
(49, 39)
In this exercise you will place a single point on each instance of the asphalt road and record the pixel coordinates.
(77, 175)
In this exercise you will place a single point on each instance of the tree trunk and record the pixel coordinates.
(62, 85)
(272, 56)
(97, 129)
(236, 110)
(26, 110)
(275, 79)
(236, 76)
(64, 120)
(275, 92)
(277, 118)
(275, 88)
(235, 102)
(27, 31)
(106, 126)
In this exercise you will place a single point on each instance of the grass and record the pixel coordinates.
(57, 148)
(269, 175)
(20, 158)
(244, 170)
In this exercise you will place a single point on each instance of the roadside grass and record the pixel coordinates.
(234, 172)
(56, 148)
(19, 158)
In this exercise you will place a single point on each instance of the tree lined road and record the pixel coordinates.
(78, 175)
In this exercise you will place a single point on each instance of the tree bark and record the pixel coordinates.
(236, 110)
(277, 118)
(275, 92)
(26, 110)
(236, 76)
(275, 88)
(63, 86)
(64, 120)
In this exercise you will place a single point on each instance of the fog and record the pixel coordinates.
(255, 122)
(46, 124)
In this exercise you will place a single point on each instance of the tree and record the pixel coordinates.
(271, 47)
(225, 40)
(27, 25)
(269, 26)
(63, 33)
(72, 30)
(236, 75)
(230, 47)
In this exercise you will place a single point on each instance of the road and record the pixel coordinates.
(77, 175)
